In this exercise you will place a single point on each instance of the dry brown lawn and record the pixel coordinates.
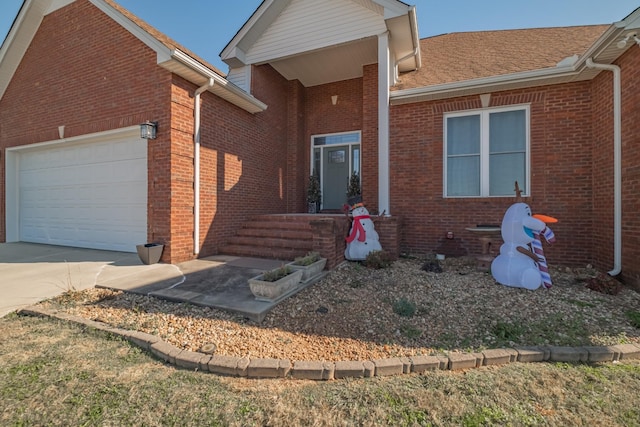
(54, 373)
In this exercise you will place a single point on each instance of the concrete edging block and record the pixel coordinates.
(421, 364)
(349, 369)
(268, 368)
(369, 369)
(384, 367)
(312, 370)
(496, 357)
(568, 354)
(628, 351)
(531, 354)
(144, 340)
(165, 351)
(189, 360)
(459, 361)
(228, 365)
(601, 354)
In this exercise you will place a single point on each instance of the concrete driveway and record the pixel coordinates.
(32, 272)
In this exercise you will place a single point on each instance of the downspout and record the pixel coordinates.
(617, 164)
(196, 165)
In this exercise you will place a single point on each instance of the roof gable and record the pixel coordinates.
(318, 42)
(170, 55)
(308, 25)
(280, 29)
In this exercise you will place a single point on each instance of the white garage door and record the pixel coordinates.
(91, 195)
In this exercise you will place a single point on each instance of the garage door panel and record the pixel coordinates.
(87, 195)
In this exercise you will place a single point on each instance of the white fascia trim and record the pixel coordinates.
(17, 42)
(220, 81)
(393, 8)
(229, 50)
(161, 50)
(450, 89)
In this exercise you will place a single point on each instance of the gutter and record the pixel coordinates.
(250, 103)
(617, 164)
(196, 165)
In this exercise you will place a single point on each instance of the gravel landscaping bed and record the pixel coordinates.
(411, 308)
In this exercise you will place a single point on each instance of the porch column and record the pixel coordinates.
(384, 75)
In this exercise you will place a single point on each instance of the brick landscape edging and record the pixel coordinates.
(316, 370)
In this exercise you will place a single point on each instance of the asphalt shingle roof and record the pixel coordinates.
(456, 57)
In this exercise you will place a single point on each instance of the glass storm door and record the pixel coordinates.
(335, 158)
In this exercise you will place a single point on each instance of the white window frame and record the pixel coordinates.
(350, 144)
(484, 114)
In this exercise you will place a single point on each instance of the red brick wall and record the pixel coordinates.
(603, 199)
(245, 161)
(322, 117)
(86, 72)
(559, 188)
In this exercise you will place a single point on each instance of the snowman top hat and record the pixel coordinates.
(355, 201)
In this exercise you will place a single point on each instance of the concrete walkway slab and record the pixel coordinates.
(32, 272)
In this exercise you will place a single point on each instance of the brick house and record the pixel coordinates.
(438, 130)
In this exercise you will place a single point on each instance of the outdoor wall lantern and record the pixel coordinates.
(149, 130)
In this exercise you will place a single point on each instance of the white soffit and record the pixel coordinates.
(329, 65)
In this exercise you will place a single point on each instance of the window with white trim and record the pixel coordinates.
(486, 152)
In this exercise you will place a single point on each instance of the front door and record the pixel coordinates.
(335, 176)
(335, 158)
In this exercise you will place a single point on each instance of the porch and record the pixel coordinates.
(287, 236)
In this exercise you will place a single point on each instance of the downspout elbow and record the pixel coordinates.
(617, 162)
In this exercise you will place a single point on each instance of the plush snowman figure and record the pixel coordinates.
(363, 237)
(517, 265)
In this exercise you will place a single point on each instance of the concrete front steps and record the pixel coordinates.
(282, 237)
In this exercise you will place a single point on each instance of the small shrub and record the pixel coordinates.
(378, 259)
(355, 283)
(634, 318)
(604, 284)
(404, 308)
(277, 274)
(308, 259)
(410, 332)
(432, 265)
(507, 331)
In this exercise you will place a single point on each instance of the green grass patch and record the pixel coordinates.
(634, 318)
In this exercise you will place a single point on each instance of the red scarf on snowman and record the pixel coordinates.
(357, 229)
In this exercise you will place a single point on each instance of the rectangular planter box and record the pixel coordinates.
(272, 291)
(310, 271)
(150, 253)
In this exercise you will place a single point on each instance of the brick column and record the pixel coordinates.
(388, 229)
(329, 239)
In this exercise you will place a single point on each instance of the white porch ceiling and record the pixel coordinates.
(329, 65)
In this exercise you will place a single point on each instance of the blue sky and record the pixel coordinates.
(206, 26)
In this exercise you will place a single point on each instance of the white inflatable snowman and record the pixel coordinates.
(517, 265)
(363, 238)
